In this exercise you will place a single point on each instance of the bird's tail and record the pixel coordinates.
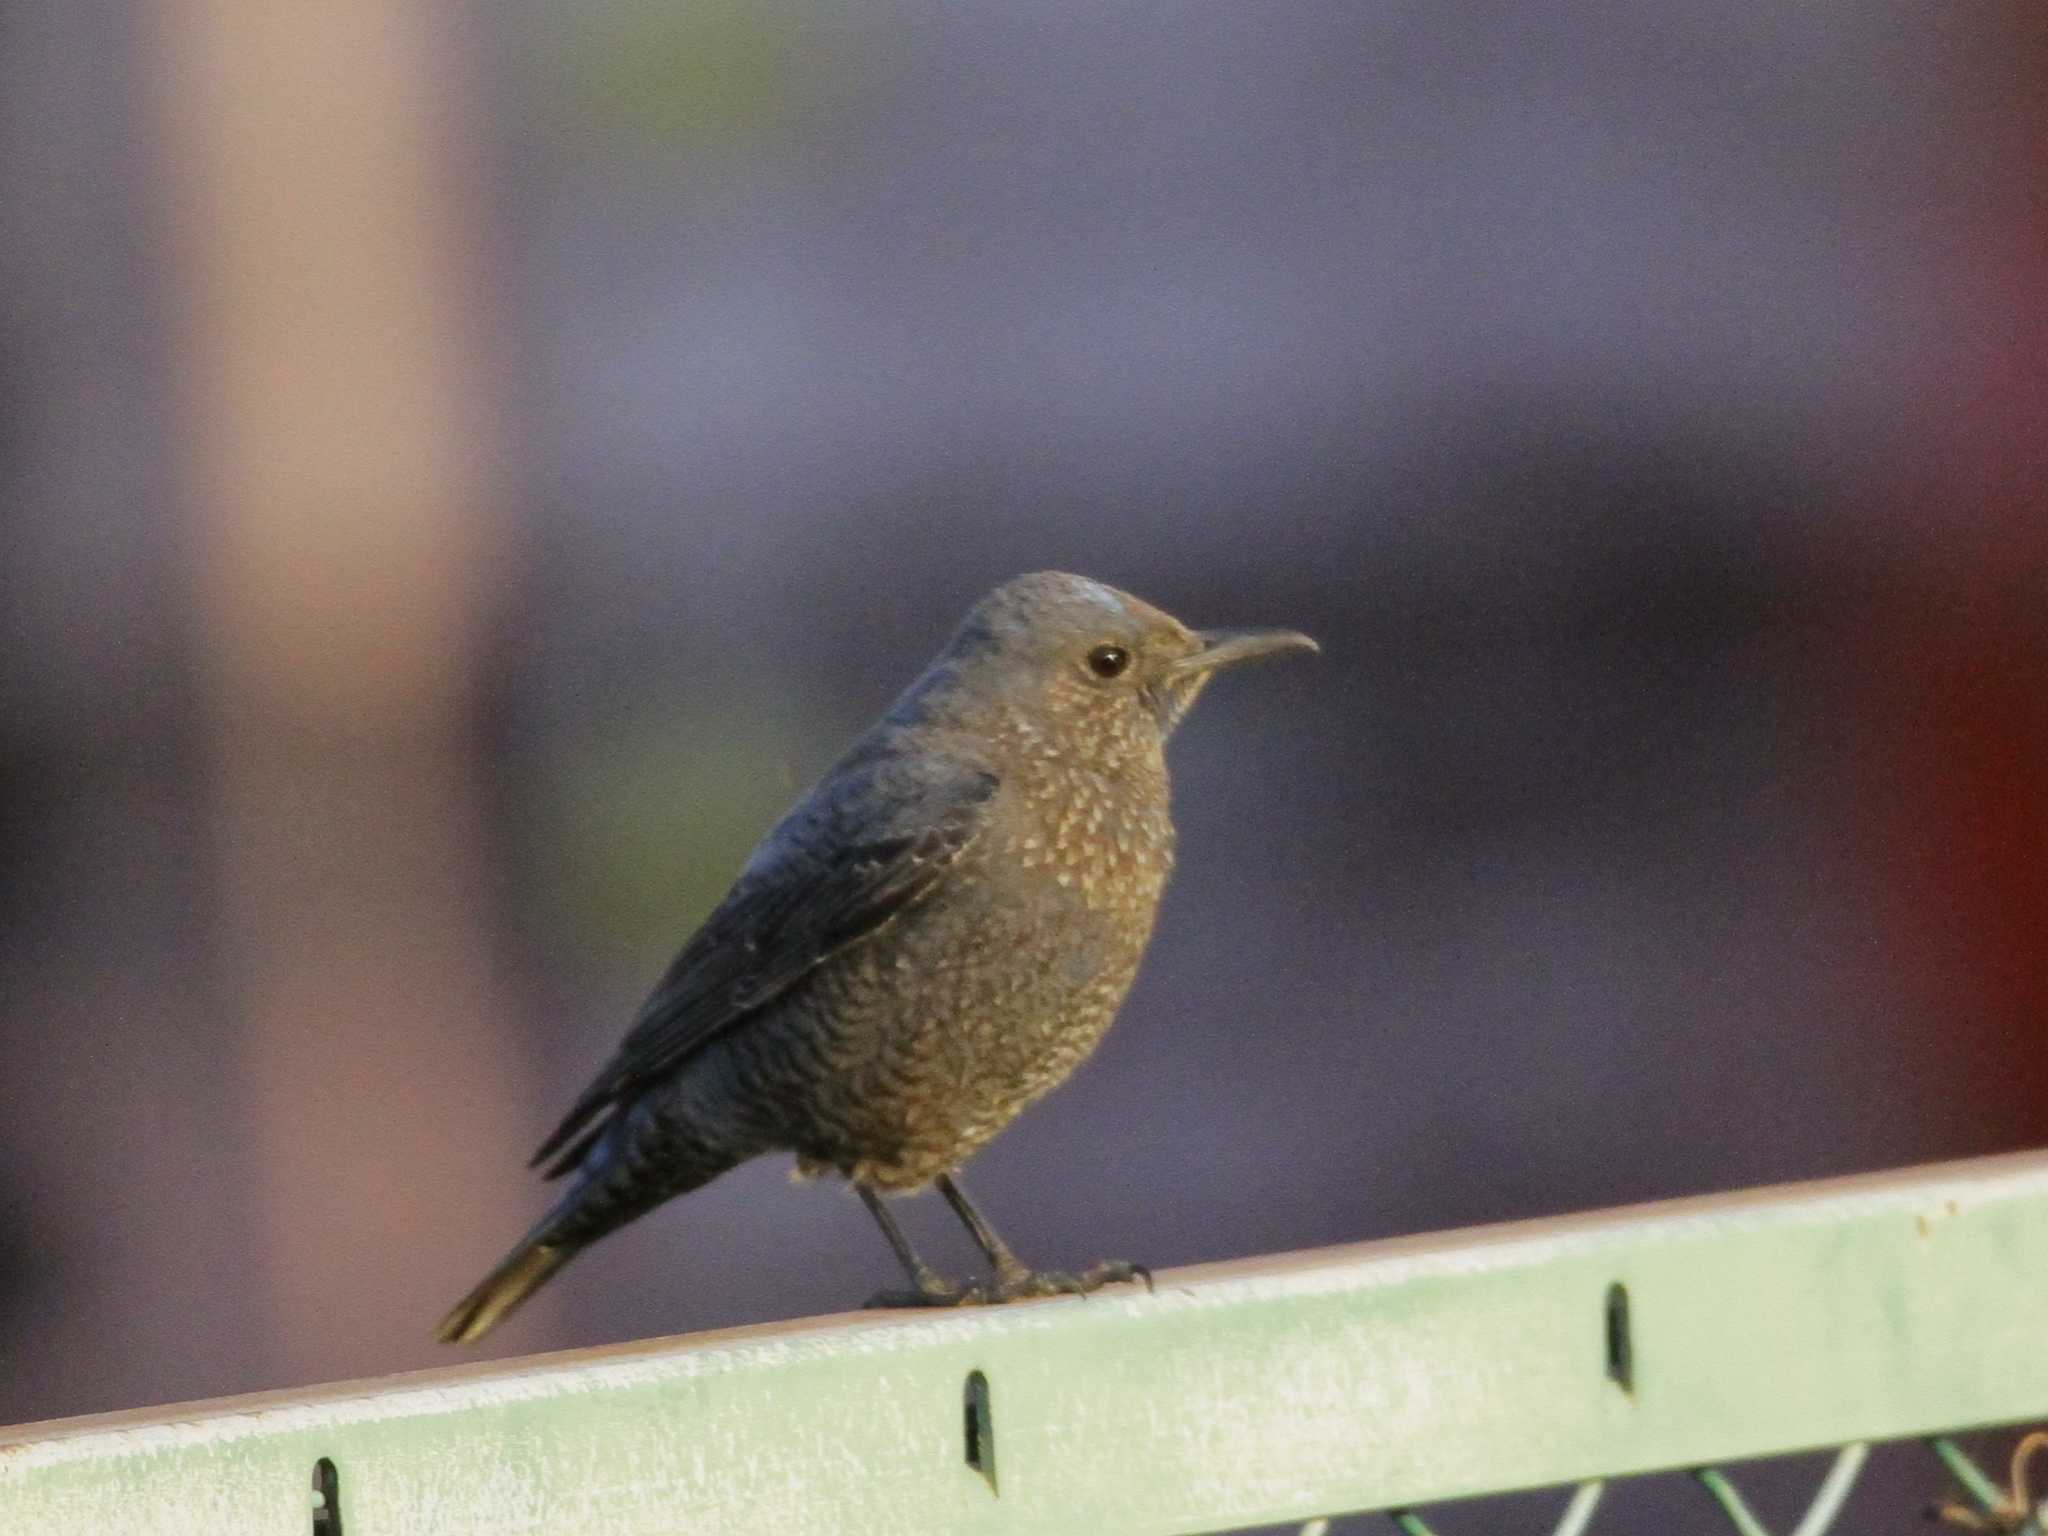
(522, 1272)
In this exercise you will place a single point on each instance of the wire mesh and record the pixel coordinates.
(1977, 1502)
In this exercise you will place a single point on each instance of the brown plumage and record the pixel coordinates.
(936, 935)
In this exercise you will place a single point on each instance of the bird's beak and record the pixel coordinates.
(1227, 647)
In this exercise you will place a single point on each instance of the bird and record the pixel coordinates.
(932, 938)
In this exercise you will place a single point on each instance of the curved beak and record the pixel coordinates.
(1227, 647)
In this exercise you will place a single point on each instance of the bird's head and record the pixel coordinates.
(1108, 670)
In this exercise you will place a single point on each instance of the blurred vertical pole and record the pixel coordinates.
(335, 446)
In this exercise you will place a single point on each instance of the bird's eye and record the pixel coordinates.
(1108, 660)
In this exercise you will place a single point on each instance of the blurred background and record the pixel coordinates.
(464, 468)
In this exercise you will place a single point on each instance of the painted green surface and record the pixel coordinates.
(1385, 1375)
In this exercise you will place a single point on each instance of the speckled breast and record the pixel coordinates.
(945, 1025)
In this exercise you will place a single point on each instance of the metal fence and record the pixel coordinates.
(1392, 1377)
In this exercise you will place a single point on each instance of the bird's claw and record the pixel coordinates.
(960, 1296)
(1122, 1272)
(1023, 1283)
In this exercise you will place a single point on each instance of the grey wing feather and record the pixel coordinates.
(867, 845)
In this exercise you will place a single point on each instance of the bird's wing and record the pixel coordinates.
(870, 843)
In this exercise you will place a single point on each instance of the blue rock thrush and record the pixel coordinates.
(937, 934)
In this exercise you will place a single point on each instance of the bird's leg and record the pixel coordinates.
(1014, 1279)
(932, 1289)
(1009, 1269)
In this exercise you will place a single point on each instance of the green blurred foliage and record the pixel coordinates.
(642, 821)
(696, 77)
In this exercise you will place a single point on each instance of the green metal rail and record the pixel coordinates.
(1383, 1376)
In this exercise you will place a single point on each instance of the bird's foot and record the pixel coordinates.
(1021, 1283)
(933, 1290)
